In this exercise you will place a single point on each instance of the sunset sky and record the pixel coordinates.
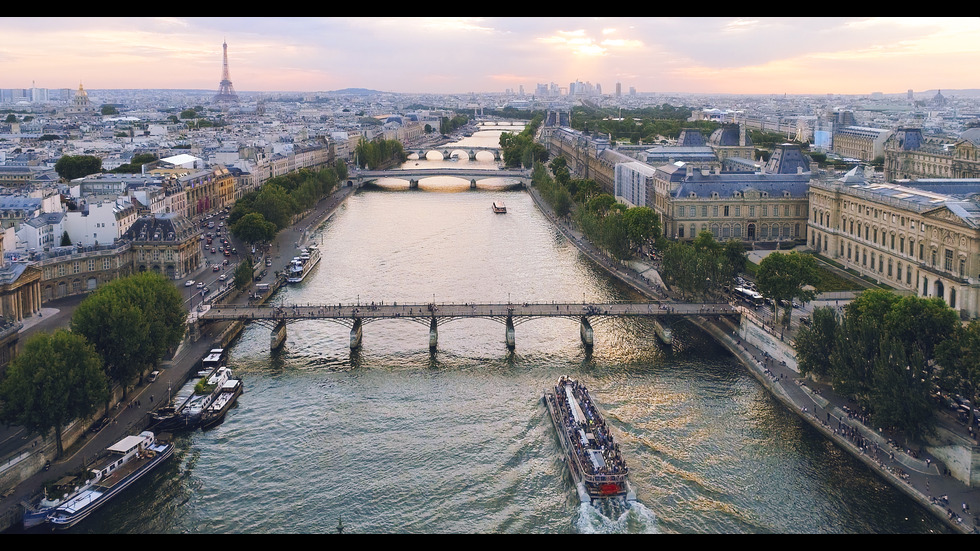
(752, 55)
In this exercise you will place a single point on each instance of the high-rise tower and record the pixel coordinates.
(226, 92)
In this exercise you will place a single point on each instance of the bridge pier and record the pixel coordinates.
(509, 333)
(356, 334)
(433, 333)
(473, 183)
(585, 331)
(278, 335)
(413, 184)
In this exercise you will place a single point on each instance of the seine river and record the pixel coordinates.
(395, 439)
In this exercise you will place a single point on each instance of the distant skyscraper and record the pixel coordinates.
(226, 92)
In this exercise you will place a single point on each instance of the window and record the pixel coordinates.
(726, 210)
(948, 262)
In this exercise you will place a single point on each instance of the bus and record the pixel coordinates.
(749, 296)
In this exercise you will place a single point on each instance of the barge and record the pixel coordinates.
(596, 464)
(129, 460)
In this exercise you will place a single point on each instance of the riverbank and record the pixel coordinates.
(123, 419)
(917, 474)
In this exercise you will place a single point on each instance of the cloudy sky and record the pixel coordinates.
(458, 55)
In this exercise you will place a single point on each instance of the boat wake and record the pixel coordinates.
(616, 518)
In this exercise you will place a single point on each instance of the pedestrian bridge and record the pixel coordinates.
(432, 314)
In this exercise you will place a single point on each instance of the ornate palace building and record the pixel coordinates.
(767, 206)
(911, 155)
(917, 236)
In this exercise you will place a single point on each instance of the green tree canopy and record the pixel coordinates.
(55, 379)
(70, 167)
(783, 277)
(132, 322)
(254, 228)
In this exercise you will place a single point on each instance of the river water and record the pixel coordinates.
(395, 439)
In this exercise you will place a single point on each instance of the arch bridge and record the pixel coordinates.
(413, 175)
(432, 314)
(470, 151)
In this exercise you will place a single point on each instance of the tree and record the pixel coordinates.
(65, 240)
(784, 277)
(70, 167)
(959, 359)
(243, 273)
(901, 390)
(55, 379)
(642, 227)
(132, 322)
(254, 228)
(815, 344)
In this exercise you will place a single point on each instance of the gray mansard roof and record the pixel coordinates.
(167, 227)
(726, 184)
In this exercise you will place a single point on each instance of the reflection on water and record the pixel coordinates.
(393, 438)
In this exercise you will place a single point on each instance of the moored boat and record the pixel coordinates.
(231, 389)
(187, 409)
(37, 513)
(597, 467)
(300, 266)
(128, 461)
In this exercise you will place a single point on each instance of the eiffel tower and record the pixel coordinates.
(226, 92)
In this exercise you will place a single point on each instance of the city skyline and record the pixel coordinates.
(758, 55)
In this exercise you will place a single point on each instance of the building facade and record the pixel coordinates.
(860, 142)
(168, 244)
(917, 236)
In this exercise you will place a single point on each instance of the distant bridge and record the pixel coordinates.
(413, 175)
(431, 314)
(469, 151)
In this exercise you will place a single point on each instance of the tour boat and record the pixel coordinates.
(597, 467)
(499, 209)
(231, 389)
(128, 460)
(301, 265)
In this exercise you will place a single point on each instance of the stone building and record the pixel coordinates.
(758, 207)
(917, 236)
(860, 142)
(168, 244)
(909, 155)
(67, 273)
